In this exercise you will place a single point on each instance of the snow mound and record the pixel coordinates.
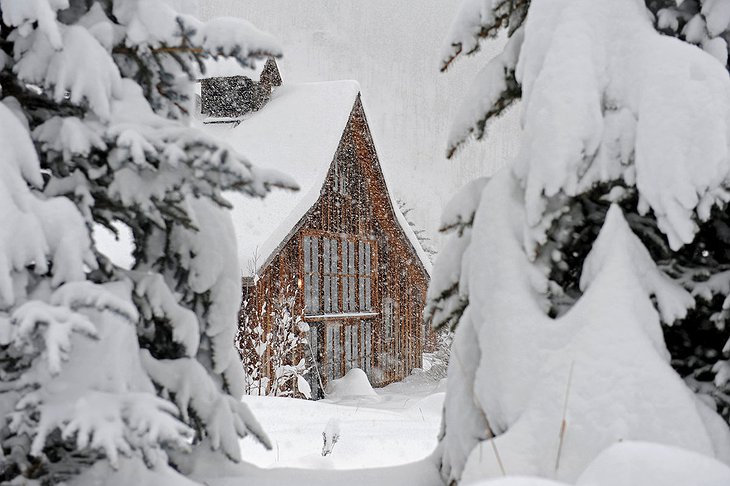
(638, 464)
(433, 403)
(354, 384)
(647, 464)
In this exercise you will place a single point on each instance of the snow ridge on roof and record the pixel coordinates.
(229, 66)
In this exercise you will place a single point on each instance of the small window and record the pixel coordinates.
(311, 274)
(341, 178)
(366, 332)
(334, 352)
(388, 321)
(348, 276)
(365, 276)
(330, 275)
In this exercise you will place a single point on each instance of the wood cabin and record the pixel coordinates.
(339, 245)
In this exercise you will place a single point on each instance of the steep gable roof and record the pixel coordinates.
(298, 133)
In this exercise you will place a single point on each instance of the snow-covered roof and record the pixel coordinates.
(229, 66)
(297, 132)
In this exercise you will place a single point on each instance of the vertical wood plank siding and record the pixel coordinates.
(351, 242)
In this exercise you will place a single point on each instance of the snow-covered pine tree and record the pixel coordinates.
(109, 373)
(447, 295)
(610, 224)
(700, 343)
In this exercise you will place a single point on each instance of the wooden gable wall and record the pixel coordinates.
(354, 203)
(401, 274)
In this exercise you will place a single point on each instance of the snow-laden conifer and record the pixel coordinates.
(109, 372)
(705, 23)
(606, 227)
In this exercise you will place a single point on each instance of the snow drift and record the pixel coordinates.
(354, 384)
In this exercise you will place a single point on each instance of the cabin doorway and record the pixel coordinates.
(337, 346)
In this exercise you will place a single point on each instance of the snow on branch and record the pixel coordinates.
(58, 319)
(580, 71)
(57, 323)
(225, 419)
(24, 14)
(446, 301)
(705, 23)
(36, 233)
(69, 136)
(85, 294)
(157, 25)
(447, 296)
(161, 303)
(479, 19)
(81, 69)
(617, 244)
(224, 36)
(493, 91)
(113, 423)
(460, 210)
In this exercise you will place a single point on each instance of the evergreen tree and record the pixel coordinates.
(610, 120)
(103, 367)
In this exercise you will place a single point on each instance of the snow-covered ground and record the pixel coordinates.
(397, 425)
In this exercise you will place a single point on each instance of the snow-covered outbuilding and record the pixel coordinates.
(339, 245)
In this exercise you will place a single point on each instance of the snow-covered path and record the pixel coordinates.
(385, 440)
(422, 473)
(397, 426)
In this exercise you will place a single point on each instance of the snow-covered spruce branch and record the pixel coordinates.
(158, 301)
(112, 423)
(55, 321)
(198, 399)
(478, 20)
(95, 132)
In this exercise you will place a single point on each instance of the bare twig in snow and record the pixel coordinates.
(564, 423)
